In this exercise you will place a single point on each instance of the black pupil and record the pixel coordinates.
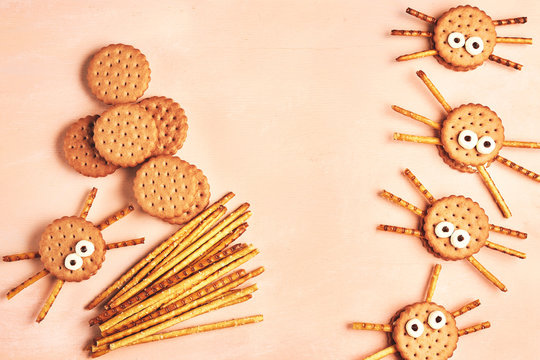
(438, 319)
(83, 249)
(468, 138)
(475, 45)
(456, 40)
(487, 144)
(460, 238)
(415, 327)
(445, 229)
(72, 262)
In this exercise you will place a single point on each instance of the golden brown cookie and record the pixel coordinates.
(425, 331)
(62, 245)
(167, 186)
(456, 165)
(125, 135)
(118, 74)
(455, 227)
(464, 38)
(80, 151)
(200, 202)
(171, 123)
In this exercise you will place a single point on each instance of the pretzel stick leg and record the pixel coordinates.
(370, 326)
(506, 231)
(88, 203)
(417, 117)
(505, 62)
(120, 244)
(115, 217)
(412, 33)
(417, 139)
(518, 168)
(514, 40)
(421, 16)
(419, 186)
(474, 328)
(488, 181)
(518, 20)
(433, 282)
(383, 353)
(522, 144)
(422, 75)
(487, 274)
(417, 55)
(21, 256)
(27, 283)
(50, 300)
(472, 305)
(505, 250)
(400, 230)
(397, 200)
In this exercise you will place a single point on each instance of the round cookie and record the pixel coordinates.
(60, 239)
(167, 186)
(118, 74)
(456, 165)
(432, 343)
(80, 150)
(468, 22)
(200, 202)
(464, 214)
(476, 118)
(171, 123)
(125, 135)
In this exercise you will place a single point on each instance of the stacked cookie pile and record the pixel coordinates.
(129, 133)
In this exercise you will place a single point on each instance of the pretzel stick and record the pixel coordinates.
(412, 33)
(474, 328)
(397, 200)
(125, 243)
(11, 293)
(419, 186)
(417, 55)
(516, 167)
(115, 217)
(514, 40)
(518, 20)
(506, 231)
(522, 144)
(400, 230)
(370, 326)
(223, 243)
(50, 300)
(21, 256)
(421, 16)
(383, 353)
(417, 117)
(487, 274)
(418, 139)
(505, 62)
(488, 181)
(433, 282)
(466, 308)
(422, 75)
(505, 250)
(88, 203)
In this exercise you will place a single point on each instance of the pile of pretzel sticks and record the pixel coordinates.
(191, 273)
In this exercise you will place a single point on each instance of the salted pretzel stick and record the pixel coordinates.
(125, 243)
(466, 308)
(50, 300)
(417, 117)
(422, 75)
(383, 353)
(506, 231)
(11, 293)
(412, 33)
(21, 256)
(115, 217)
(418, 139)
(505, 62)
(400, 230)
(474, 328)
(487, 274)
(514, 40)
(370, 326)
(417, 55)
(421, 16)
(223, 243)
(488, 181)
(88, 203)
(397, 200)
(518, 20)
(522, 144)
(419, 186)
(433, 282)
(235, 301)
(505, 250)
(516, 167)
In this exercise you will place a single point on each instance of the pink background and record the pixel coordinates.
(289, 107)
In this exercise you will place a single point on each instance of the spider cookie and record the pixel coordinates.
(71, 249)
(118, 74)
(469, 140)
(424, 330)
(463, 38)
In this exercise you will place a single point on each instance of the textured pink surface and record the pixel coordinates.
(288, 104)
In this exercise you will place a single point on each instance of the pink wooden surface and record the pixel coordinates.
(288, 104)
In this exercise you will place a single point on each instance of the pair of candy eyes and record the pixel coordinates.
(458, 238)
(74, 260)
(473, 45)
(468, 139)
(415, 327)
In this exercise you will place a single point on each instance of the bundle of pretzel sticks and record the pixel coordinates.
(191, 273)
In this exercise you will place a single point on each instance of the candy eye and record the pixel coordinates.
(414, 328)
(474, 45)
(467, 139)
(444, 229)
(460, 239)
(73, 262)
(436, 320)
(485, 145)
(456, 40)
(84, 248)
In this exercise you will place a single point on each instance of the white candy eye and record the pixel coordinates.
(84, 248)
(485, 145)
(444, 229)
(456, 40)
(460, 239)
(73, 262)
(467, 139)
(414, 328)
(474, 45)
(436, 320)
